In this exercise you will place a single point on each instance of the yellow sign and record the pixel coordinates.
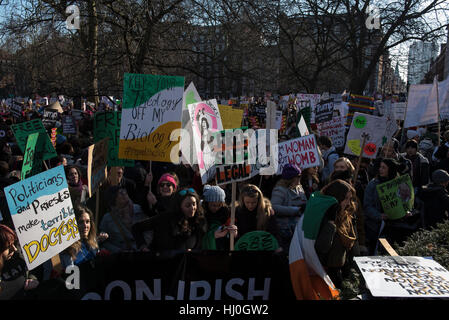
(230, 118)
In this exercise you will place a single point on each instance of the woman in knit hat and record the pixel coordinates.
(165, 190)
(218, 219)
(288, 200)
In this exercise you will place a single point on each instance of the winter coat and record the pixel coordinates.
(372, 209)
(436, 204)
(167, 233)
(420, 170)
(115, 242)
(288, 205)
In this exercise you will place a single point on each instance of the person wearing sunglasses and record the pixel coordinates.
(181, 228)
(165, 191)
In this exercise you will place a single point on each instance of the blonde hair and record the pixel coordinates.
(347, 162)
(263, 204)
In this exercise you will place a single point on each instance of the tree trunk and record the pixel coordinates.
(93, 48)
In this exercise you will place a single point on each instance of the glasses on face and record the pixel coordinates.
(165, 184)
(184, 192)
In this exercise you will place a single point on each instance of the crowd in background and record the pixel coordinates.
(162, 207)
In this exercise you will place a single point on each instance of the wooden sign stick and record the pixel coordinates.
(234, 187)
(356, 173)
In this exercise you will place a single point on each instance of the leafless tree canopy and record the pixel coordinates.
(227, 47)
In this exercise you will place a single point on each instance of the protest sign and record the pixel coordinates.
(302, 127)
(206, 119)
(396, 196)
(257, 241)
(43, 216)
(16, 110)
(97, 162)
(304, 101)
(418, 277)
(301, 151)
(49, 118)
(107, 124)
(399, 110)
(152, 110)
(334, 129)
(271, 115)
(324, 111)
(422, 108)
(24, 129)
(188, 153)
(231, 118)
(278, 120)
(231, 156)
(373, 128)
(68, 125)
(32, 157)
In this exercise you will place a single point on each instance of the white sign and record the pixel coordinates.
(405, 277)
(334, 129)
(302, 127)
(373, 128)
(421, 104)
(43, 215)
(206, 119)
(301, 151)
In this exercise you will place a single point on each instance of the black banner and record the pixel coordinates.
(192, 276)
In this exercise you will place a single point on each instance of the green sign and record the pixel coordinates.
(32, 159)
(257, 241)
(396, 196)
(24, 129)
(107, 124)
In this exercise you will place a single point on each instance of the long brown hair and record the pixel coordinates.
(345, 228)
(91, 237)
(263, 204)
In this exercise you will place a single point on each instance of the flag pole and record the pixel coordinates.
(435, 80)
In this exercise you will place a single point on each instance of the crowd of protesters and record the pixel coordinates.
(165, 207)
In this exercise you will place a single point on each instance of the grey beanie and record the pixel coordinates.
(213, 194)
(440, 176)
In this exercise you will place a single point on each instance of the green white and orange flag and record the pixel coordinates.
(309, 279)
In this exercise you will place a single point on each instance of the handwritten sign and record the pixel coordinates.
(32, 159)
(374, 128)
(96, 164)
(43, 216)
(301, 151)
(152, 110)
(418, 277)
(24, 129)
(231, 118)
(334, 129)
(107, 124)
(396, 196)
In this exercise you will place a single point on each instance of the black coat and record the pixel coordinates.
(436, 204)
(167, 232)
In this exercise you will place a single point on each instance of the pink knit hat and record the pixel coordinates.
(167, 177)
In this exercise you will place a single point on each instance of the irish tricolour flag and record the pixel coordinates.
(309, 279)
